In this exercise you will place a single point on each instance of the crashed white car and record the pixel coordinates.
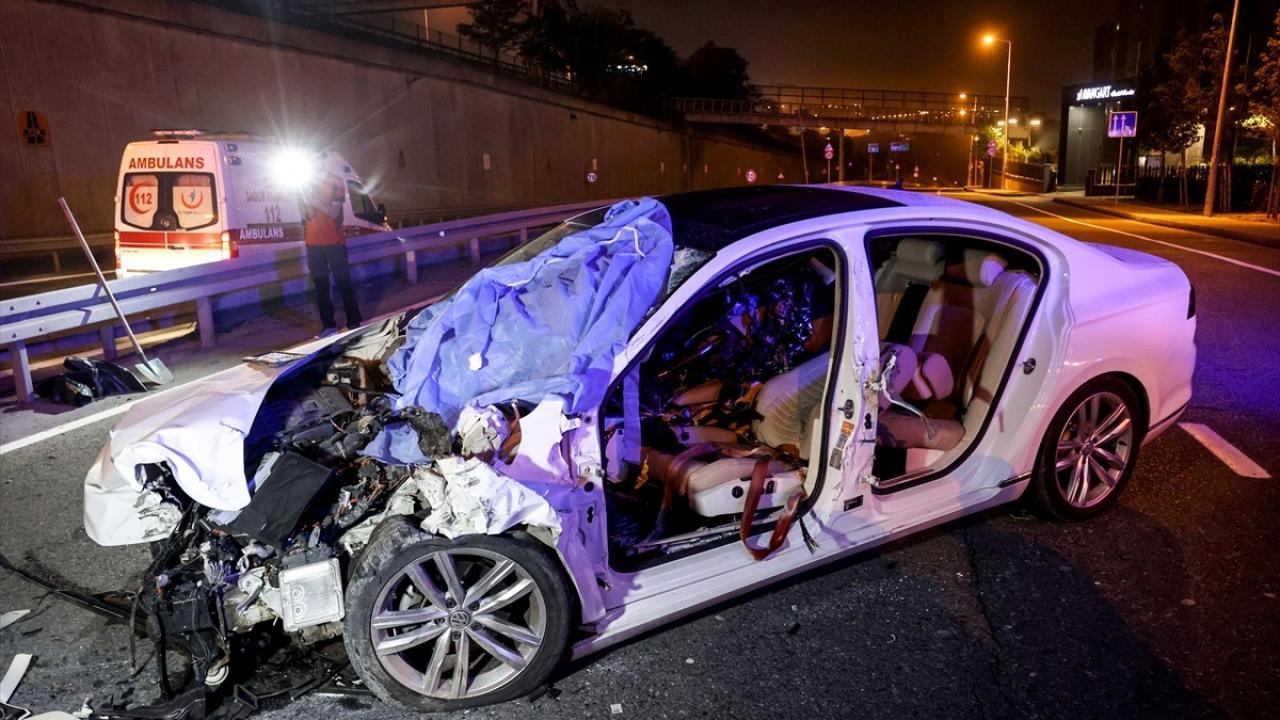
(651, 408)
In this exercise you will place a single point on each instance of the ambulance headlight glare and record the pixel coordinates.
(292, 168)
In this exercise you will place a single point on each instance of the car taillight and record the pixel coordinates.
(1191, 303)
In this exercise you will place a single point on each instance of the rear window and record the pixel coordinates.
(168, 201)
(192, 200)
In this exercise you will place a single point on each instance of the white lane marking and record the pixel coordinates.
(1226, 452)
(119, 409)
(1215, 256)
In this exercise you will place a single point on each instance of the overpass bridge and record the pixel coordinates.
(905, 111)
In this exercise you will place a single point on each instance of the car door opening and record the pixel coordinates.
(735, 383)
(951, 310)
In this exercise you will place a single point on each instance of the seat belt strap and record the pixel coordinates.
(780, 528)
(904, 318)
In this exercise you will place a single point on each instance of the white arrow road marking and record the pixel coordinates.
(1229, 454)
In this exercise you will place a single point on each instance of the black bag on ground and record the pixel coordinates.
(86, 380)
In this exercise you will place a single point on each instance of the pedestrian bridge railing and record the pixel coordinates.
(32, 319)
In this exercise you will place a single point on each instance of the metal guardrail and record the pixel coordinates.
(34, 318)
(28, 247)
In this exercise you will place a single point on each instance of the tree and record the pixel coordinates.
(717, 72)
(1175, 108)
(1264, 110)
(496, 24)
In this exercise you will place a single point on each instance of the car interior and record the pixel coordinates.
(738, 378)
(950, 311)
(732, 384)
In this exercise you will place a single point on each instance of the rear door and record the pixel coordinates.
(169, 209)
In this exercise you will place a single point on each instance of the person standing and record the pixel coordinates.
(327, 252)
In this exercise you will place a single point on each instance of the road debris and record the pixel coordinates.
(12, 617)
(9, 683)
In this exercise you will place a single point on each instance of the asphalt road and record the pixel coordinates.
(1165, 607)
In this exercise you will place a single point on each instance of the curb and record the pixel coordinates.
(1251, 238)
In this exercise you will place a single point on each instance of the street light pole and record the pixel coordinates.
(1008, 75)
(1004, 154)
(1211, 188)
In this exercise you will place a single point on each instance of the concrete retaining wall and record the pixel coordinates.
(418, 128)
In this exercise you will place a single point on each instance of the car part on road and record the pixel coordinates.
(86, 380)
(152, 370)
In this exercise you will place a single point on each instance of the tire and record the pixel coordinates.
(514, 645)
(1109, 453)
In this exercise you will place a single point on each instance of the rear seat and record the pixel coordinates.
(962, 339)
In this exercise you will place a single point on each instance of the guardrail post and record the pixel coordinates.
(204, 321)
(57, 262)
(21, 371)
(411, 267)
(107, 333)
(474, 246)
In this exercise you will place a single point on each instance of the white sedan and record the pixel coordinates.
(650, 409)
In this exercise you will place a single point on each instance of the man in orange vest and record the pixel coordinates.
(327, 252)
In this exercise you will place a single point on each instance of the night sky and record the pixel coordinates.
(907, 45)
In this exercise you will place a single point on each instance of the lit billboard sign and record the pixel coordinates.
(1095, 93)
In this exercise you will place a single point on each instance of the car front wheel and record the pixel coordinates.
(1089, 451)
(435, 624)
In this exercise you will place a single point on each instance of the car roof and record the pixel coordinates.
(713, 219)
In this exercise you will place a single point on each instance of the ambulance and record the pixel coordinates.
(192, 196)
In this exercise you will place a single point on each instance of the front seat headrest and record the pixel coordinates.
(918, 260)
(978, 268)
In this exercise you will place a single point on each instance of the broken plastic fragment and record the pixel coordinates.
(11, 617)
(481, 431)
(469, 497)
(13, 676)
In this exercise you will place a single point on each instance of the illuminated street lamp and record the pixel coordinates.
(988, 40)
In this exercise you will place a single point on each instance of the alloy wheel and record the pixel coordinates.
(458, 623)
(1094, 449)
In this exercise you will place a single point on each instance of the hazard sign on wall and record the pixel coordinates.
(33, 128)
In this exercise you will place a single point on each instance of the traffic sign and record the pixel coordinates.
(899, 146)
(991, 148)
(751, 175)
(1122, 124)
(829, 152)
(33, 129)
(592, 176)
(873, 148)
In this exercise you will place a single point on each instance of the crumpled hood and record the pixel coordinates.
(199, 430)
